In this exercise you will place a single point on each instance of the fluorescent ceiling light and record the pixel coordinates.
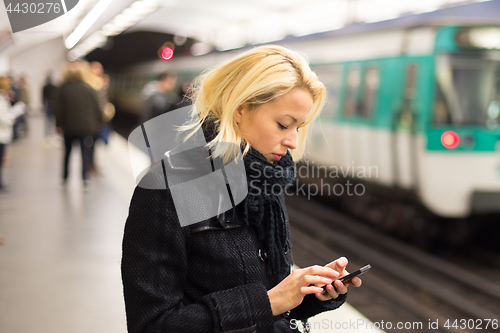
(86, 23)
(128, 17)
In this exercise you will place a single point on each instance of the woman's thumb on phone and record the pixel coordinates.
(342, 262)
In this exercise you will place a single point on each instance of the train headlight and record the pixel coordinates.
(450, 139)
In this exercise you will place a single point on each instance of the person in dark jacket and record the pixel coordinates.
(48, 98)
(230, 272)
(162, 99)
(78, 116)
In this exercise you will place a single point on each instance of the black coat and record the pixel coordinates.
(206, 277)
(77, 109)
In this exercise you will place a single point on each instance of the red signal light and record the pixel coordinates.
(450, 139)
(167, 53)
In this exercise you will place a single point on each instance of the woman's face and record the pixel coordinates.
(273, 127)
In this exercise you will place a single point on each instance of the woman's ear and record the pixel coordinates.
(238, 114)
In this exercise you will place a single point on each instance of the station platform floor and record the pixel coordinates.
(60, 261)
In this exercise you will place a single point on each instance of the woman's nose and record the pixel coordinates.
(290, 140)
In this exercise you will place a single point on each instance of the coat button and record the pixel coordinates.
(262, 254)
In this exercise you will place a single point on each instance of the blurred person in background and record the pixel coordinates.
(149, 89)
(97, 70)
(162, 99)
(98, 80)
(6, 122)
(24, 92)
(12, 97)
(93, 73)
(108, 111)
(13, 92)
(101, 86)
(23, 96)
(48, 97)
(78, 116)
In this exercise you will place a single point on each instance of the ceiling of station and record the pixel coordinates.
(227, 24)
(61, 26)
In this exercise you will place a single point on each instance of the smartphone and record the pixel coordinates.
(346, 278)
(360, 271)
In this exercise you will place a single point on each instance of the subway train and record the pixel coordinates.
(420, 124)
(413, 117)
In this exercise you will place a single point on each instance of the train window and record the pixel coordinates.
(407, 113)
(372, 80)
(468, 90)
(330, 76)
(351, 96)
(442, 115)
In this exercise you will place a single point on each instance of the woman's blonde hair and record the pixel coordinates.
(72, 72)
(254, 78)
(4, 84)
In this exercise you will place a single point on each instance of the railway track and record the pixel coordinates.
(413, 284)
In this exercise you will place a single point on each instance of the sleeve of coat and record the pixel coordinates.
(154, 272)
(312, 306)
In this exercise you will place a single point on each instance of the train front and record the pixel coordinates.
(460, 171)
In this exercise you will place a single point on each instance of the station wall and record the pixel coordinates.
(34, 64)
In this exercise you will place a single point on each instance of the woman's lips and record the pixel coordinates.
(277, 157)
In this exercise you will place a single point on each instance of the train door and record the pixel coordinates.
(404, 127)
(362, 137)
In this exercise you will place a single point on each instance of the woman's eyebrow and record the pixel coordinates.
(294, 120)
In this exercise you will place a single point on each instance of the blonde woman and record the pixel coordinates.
(233, 275)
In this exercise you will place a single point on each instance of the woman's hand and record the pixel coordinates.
(339, 266)
(290, 292)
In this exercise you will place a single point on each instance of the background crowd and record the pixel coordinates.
(77, 110)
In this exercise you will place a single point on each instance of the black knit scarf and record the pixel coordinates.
(264, 207)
